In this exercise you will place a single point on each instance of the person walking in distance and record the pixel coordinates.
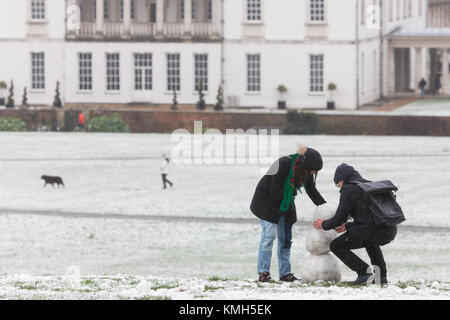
(437, 85)
(81, 121)
(422, 86)
(165, 171)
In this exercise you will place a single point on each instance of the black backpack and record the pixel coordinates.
(381, 202)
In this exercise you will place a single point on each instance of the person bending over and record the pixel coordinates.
(273, 204)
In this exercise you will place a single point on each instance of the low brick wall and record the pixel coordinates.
(168, 121)
(35, 118)
(384, 125)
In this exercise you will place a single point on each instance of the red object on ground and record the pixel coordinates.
(80, 119)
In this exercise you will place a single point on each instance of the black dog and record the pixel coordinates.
(52, 181)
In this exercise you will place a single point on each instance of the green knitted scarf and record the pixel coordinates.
(289, 187)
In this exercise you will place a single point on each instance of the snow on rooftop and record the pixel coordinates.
(416, 32)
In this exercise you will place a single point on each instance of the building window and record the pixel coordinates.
(173, 72)
(398, 9)
(316, 73)
(85, 71)
(112, 72)
(132, 9)
(209, 10)
(192, 9)
(38, 70)
(410, 13)
(37, 9)
(420, 8)
(143, 71)
(253, 72)
(182, 9)
(317, 10)
(105, 9)
(201, 71)
(253, 10)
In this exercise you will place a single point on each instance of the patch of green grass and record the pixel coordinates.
(405, 284)
(27, 287)
(154, 298)
(89, 282)
(212, 288)
(216, 278)
(165, 286)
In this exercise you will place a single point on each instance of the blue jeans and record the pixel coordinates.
(268, 234)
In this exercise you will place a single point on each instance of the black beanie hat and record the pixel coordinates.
(343, 172)
(312, 160)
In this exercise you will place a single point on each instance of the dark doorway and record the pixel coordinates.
(402, 70)
(153, 12)
(435, 67)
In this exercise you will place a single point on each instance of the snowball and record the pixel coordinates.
(410, 290)
(321, 267)
(435, 285)
(197, 289)
(324, 211)
(144, 286)
(318, 241)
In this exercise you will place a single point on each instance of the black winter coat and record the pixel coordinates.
(268, 195)
(351, 204)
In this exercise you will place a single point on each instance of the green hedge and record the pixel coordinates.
(301, 123)
(12, 124)
(105, 123)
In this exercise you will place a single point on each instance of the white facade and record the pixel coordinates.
(252, 47)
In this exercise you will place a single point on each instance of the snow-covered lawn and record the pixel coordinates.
(115, 173)
(154, 288)
(439, 107)
(107, 173)
(49, 246)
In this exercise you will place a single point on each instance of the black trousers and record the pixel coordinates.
(165, 180)
(370, 238)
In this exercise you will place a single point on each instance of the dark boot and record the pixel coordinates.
(264, 277)
(289, 278)
(362, 280)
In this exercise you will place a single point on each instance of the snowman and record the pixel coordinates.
(320, 264)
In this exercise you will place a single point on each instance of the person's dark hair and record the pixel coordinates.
(301, 176)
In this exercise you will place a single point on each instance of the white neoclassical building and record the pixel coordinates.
(140, 51)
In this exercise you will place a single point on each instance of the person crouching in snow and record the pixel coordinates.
(360, 233)
(273, 203)
(165, 171)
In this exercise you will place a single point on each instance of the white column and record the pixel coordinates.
(126, 16)
(418, 72)
(391, 71)
(217, 17)
(187, 16)
(159, 17)
(99, 16)
(445, 76)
